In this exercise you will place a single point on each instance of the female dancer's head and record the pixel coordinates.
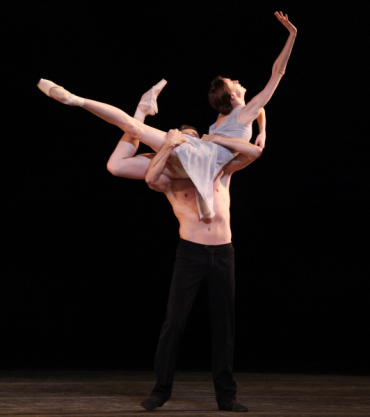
(224, 94)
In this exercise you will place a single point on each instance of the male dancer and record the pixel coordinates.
(205, 252)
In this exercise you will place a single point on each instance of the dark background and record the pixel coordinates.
(87, 257)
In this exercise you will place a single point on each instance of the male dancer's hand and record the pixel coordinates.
(175, 138)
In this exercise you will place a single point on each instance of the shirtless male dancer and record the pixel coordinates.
(205, 252)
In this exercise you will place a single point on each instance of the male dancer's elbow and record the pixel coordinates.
(157, 183)
(112, 168)
(150, 180)
(153, 185)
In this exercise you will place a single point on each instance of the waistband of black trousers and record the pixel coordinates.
(200, 246)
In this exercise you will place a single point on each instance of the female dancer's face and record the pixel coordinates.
(235, 87)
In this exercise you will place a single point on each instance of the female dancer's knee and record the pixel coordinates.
(133, 128)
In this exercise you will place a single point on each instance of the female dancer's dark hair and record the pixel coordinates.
(220, 96)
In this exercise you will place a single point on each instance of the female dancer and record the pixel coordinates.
(202, 160)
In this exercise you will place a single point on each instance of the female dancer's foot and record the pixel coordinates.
(59, 93)
(148, 102)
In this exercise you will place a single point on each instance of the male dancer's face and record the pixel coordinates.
(190, 132)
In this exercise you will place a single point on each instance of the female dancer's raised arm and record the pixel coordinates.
(253, 108)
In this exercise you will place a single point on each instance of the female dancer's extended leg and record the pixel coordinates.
(146, 134)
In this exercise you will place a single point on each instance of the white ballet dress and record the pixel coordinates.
(202, 161)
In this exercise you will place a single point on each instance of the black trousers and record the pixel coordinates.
(194, 263)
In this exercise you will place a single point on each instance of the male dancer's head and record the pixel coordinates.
(189, 130)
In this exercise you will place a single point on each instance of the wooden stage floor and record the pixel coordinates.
(109, 393)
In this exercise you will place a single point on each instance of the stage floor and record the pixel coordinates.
(108, 393)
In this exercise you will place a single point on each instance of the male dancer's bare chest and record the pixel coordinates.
(183, 196)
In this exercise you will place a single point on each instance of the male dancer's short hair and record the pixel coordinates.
(183, 127)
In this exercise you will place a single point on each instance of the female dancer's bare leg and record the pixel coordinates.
(146, 134)
(123, 162)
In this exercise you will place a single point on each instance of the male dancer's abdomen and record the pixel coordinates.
(213, 231)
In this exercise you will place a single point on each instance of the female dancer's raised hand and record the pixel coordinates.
(285, 21)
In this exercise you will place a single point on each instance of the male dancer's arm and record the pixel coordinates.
(155, 177)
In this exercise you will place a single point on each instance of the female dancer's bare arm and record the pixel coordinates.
(240, 145)
(261, 137)
(243, 160)
(252, 109)
(235, 144)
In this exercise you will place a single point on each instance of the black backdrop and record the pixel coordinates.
(87, 257)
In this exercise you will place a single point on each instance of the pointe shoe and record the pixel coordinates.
(148, 102)
(60, 94)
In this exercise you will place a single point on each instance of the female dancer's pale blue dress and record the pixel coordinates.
(202, 161)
